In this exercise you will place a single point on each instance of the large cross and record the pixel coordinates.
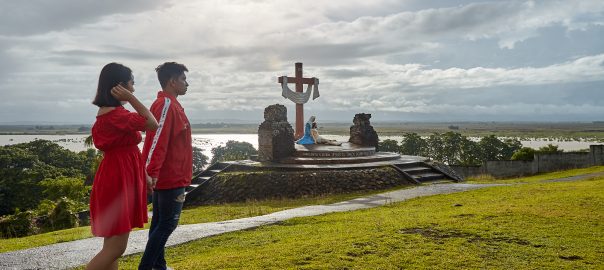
(300, 82)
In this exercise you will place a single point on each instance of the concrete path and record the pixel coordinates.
(79, 252)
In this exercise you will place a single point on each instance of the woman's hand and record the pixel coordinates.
(121, 93)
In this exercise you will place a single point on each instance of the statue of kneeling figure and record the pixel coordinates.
(311, 135)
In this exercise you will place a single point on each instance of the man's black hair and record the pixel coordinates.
(169, 70)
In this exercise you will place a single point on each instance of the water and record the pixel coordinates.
(75, 142)
(208, 141)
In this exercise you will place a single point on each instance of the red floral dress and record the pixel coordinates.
(118, 201)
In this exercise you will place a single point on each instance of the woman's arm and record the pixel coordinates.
(121, 93)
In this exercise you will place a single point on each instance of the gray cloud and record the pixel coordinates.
(411, 60)
(21, 18)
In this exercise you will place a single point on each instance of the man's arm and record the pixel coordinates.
(161, 138)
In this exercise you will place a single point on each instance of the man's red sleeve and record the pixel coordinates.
(159, 143)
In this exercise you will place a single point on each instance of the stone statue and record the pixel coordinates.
(307, 137)
(362, 133)
(318, 139)
(311, 134)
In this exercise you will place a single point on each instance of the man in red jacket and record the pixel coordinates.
(169, 155)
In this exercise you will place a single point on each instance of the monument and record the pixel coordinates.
(299, 97)
(284, 168)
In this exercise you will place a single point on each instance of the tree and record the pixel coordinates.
(511, 146)
(470, 153)
(53, 154)
(524, 153)
(490, 148)
(71, 188)
(233, 150)
(23, 166)
(412, 144)
(549, 149)
(18, 185)
(389, 146)
(199, 159)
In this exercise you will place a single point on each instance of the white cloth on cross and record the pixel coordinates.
(300, 98)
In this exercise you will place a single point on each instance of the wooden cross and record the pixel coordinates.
(300, 82)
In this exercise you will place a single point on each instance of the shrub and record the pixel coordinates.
(525, 153)
(64, 215)
(389, 146)
(17, 225)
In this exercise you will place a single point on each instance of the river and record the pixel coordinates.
(206, 142)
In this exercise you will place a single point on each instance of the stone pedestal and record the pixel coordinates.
(362, 133)
(275, 135)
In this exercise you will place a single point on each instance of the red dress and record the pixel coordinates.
(118, 201)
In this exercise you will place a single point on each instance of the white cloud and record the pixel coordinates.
(370, 55)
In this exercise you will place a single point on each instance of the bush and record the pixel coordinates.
(389, 146)
(525, 153)
(63, 216)
(18, 225)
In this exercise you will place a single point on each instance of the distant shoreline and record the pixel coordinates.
(560, 130)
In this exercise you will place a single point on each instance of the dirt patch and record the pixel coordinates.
(438, 234)
(571, 258)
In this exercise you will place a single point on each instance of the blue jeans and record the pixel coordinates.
(167, 205)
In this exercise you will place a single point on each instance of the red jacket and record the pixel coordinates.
(168, 151)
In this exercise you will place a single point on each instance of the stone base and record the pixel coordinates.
(347, 153)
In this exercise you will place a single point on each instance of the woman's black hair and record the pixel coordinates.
(112, 74)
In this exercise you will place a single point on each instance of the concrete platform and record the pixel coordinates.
(322, 150)
(296, 166)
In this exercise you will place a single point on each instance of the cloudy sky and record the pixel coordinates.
(400, 60)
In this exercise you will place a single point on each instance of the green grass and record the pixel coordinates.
(200, 214)
(539, 177)
(531, 226)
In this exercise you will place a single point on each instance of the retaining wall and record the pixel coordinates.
(259, 185)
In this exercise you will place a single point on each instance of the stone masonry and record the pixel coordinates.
(362, 133)
(275, 135)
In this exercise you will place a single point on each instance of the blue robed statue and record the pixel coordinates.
(307, 138)
(311, 135)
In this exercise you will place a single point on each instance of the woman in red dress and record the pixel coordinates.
(118, 201)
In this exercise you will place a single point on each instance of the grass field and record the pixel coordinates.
(528, 226)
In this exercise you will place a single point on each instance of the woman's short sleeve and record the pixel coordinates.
(130, 121)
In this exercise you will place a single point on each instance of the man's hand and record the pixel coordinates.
(151, 182)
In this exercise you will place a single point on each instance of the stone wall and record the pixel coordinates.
(508, 168)
(362, 133)
(561, 161)
(541, 163)
(258, 185)
(275, 135)
(466, 171)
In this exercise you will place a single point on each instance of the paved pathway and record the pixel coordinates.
(79, 252)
